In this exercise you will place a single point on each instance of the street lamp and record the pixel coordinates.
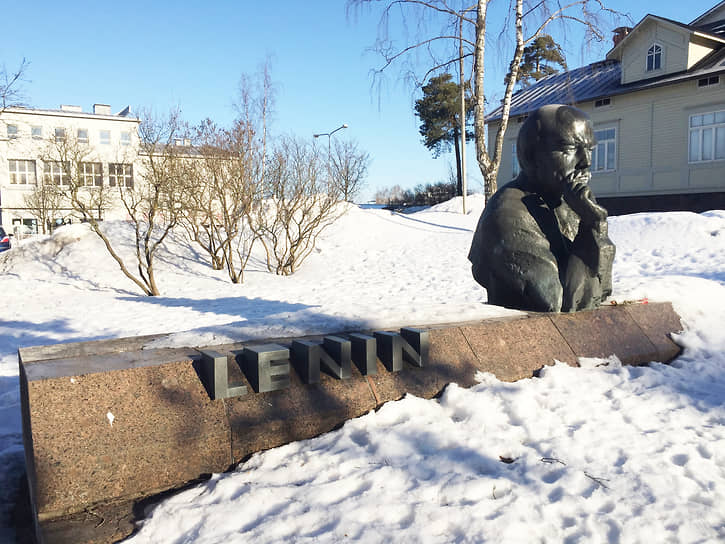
(329, 136)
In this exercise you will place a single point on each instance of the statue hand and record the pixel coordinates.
(579, 197)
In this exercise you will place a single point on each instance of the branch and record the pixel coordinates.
(444, 64)
(559, 14)
(389, 59)
(7, 93)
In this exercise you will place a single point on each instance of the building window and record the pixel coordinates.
(602, 102)
(82, 135)
(654, 57)
(91, 174)
(59, 134)
(56, 172)
(708, 81)
(604, 154)
(105, 136)
(120, 175)
(25, 226)
(515, 168)
(125, 138)
(36, 132)
(21, 172)
(12, 131)
(707, 136)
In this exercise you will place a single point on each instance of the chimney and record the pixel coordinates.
(620, 33)
(75, 109)
(101, 109)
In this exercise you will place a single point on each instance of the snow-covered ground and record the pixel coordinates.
(602, 453)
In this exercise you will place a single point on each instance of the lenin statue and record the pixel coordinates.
(541, 243)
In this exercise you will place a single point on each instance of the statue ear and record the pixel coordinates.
(527, 142)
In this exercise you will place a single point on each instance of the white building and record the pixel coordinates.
(28, 146)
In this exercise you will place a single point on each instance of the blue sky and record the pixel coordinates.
(190, 55)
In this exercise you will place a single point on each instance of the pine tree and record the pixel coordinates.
(540, 59)
(439, 111)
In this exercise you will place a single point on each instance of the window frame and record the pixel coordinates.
(604, 102)
(56, 173)
(708, 82)
(82, 139)
(702, 129)
(125, 137)
(104, 137)
(91, 174)
(607, 152)
(26, 173)
(515, 166)
(12, 131)
(36, 132)
(655, 52)
(120, 174)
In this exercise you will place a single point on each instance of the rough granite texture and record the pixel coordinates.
(515, 349)
(164, 430)
(105, 429)
(603, 333)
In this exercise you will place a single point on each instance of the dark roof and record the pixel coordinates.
(707, 13)
(596, 81)
(579, 85)
(716, 27)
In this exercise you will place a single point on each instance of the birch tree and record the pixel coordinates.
(444, 32)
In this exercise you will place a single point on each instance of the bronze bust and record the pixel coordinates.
(541, 243)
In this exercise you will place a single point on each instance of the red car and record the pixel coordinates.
(4, 240)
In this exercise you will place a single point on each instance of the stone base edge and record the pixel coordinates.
(155, 398)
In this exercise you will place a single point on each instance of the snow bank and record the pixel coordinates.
(602, 453)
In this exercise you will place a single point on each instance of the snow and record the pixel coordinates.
(601, 453)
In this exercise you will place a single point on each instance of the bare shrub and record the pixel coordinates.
(300, 202)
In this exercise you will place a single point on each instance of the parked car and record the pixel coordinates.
(4, 240)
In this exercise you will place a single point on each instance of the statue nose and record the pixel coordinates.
(585, 158)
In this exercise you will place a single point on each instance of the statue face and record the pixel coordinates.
(563, 152)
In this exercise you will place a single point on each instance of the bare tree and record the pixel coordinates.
(10, 92)
(349, 166)
(221, 193)
(44, 203)
(199, 211)
(300, 202)
(461, 31)
(151, 201)
(228, 178)
(72, 170)
(154, 204)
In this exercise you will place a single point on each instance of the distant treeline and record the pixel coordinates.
(420, 195)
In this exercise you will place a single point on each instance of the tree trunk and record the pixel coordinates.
(489, 161)
(479, 118)
(459, 177)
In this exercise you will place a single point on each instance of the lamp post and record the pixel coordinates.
(329, 136)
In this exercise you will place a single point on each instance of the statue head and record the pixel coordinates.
(555, 146)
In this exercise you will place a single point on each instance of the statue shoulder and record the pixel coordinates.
(507, 204)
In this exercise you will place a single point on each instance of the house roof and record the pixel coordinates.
(714, 27)
(578, 85)
(123, 115)
(712, 10)
(709, 31)
(598, 80)
(602, 79)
